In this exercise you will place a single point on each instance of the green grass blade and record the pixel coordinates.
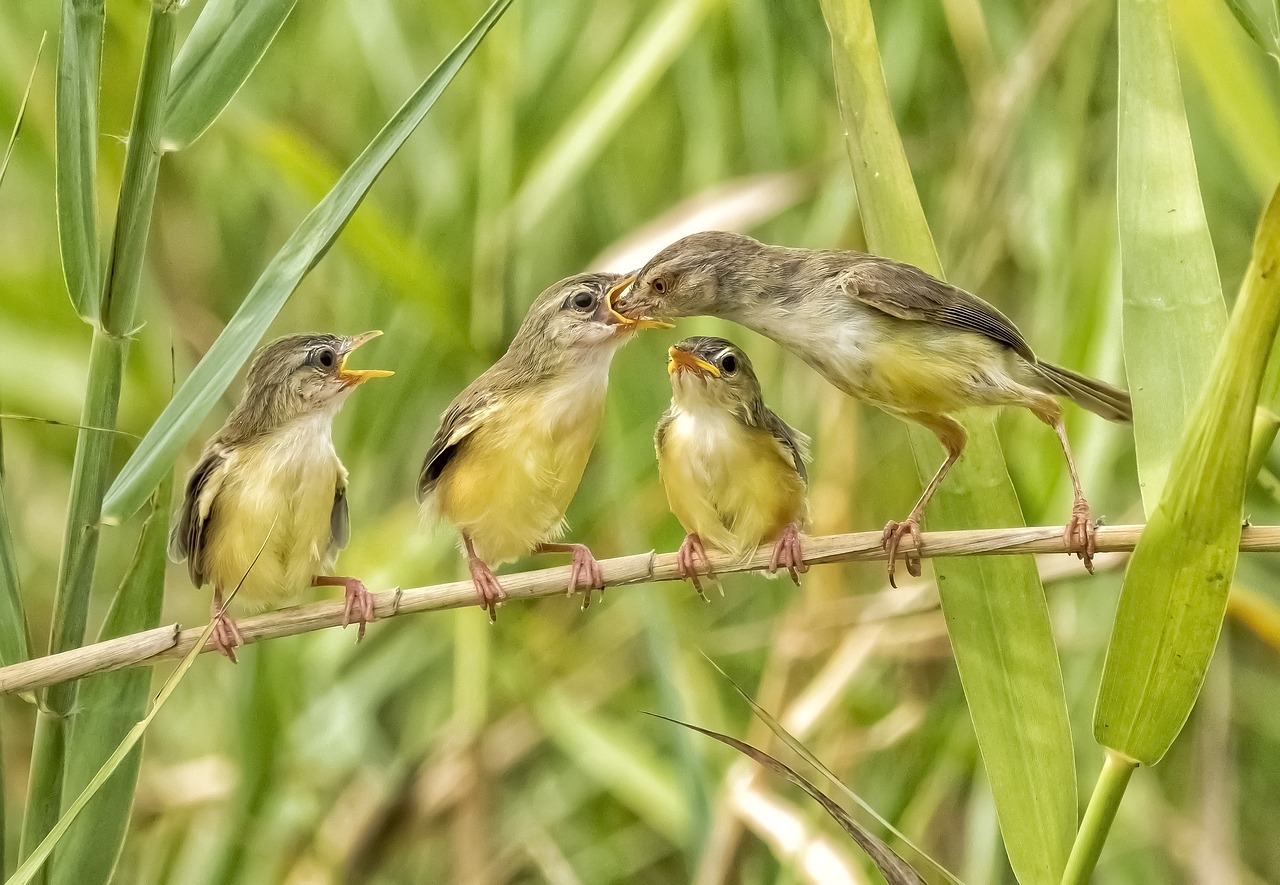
(101, 405)
(996, 612)
(31, 866)
(15, 635)
(643, 59)
(22, 111)
(1175, 591)
(107, 707)
(1173, 309)
(225, 45)
(154, 457)
(1260, 20)
(79, 60)
(895, 870)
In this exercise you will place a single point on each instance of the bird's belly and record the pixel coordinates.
(270, 528)
(509, 488)
(728, 483)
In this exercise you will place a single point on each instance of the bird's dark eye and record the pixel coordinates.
(660, 286)
(728, 364)
(583, 300)
(325, 358)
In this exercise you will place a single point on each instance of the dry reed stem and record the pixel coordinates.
(171, 642)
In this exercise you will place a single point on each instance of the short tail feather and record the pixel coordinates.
(1098, 397)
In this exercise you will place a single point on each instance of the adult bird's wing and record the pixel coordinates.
(187, 537)
(909, 293)
(459, 421)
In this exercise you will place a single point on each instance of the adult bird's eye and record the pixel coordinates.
(660, 286)
(728, 364)
(325, 358)
(583, 300)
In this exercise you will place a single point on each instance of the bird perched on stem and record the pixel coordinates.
(512, 447)
(732, 469)
(269, 486)
(880, 331)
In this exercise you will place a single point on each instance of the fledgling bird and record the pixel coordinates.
(732, 469)
(881, 331)
(512, 447)
(266, 504)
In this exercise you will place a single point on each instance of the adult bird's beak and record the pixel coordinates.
(682, 360)
(630, 323)
(352, 377)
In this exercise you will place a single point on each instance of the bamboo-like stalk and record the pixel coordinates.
(1107, 793)
(170, 642)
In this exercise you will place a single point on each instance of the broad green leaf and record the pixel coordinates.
(1175, 590)
(76, 104)
(895, 870)
(225, 45)
(643, 59)
(1173, 309)
(1260, 20)
(995, 608)
(154, 457)
(108, 705)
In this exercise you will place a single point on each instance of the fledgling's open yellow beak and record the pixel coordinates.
(352, 377)
(634, 323)
(682, 360)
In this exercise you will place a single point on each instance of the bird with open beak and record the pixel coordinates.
(512, 447)
(732, 469)
(265, 508)
(881, 331)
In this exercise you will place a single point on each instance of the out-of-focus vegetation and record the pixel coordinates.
(583, 134)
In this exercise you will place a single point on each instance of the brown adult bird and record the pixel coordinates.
(265, 508)
(881, 331)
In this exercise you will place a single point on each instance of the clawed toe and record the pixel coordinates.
(788, 554)
(894, 532)
(1081, 534)
(359, 607)
(586, 574)
(687, 562)
(226, 636)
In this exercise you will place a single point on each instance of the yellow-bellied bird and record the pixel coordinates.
(880, 331)
(512, 447)
(732, 469)
(269, 486)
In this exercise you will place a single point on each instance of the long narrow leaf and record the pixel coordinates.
(79, 60)
(1175, 590)
(107, 707)
(895, 870)
(22, 111)
(225, 45)
(154, 457)
(995, 608)
(1173, 309)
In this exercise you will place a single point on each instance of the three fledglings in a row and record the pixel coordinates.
(265, 508)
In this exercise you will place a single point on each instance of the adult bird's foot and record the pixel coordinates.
(787, 554)
(687, 561)
(226, 635)
(359, 601)
(1081, 534)
(894, 532)
(586, 574)
(488, 590)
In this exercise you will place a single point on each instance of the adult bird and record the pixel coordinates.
(265, 508)
(881, 331)
(512, 447)
(732, 469)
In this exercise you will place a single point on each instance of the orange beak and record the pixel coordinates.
(352, 377)
(683, 361)
(632, 323)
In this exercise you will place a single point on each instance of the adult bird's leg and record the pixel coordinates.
(788, 554)
(1081, 533)
(952, 436)
(586, 574)
(226, 635)
(359, 607)
(687, 561)
(488, 590)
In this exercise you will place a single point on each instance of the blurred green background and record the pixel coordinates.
(586, 135)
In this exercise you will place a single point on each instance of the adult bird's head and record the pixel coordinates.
(693, 276)
(299, 376)
(712, 373)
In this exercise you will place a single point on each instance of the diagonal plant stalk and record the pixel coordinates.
(102, 398)
(997, 616)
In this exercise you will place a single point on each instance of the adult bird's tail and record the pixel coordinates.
(1098, 397)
